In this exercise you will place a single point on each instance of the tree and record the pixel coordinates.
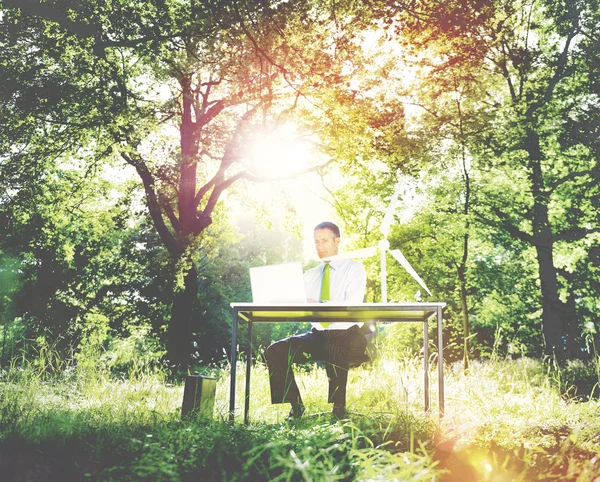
(447, 97)
(543, 53)
(538, 65)
(230, 68)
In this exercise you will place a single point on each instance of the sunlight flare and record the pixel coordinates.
(282, 153)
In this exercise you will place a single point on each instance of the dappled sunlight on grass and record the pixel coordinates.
(504, 420)
(384, 387)
(503, 400)
(506, 400)
(65, 403)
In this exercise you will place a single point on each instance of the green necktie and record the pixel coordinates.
(325, 292)
(325, 283)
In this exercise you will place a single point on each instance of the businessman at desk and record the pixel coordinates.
(335, 344)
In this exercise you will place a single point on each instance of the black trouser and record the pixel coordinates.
(334, 347)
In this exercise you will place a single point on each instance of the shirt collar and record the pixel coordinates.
(334, 263)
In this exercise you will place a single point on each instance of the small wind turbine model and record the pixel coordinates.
(384, 247)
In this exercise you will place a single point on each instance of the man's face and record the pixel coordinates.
(326, 243)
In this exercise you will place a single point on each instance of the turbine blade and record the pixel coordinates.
(406, 265)
(389, 213)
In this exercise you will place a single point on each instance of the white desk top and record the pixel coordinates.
(332, 312)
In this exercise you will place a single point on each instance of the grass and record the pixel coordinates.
(505, 420)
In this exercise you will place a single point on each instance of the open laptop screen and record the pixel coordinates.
(278, 283)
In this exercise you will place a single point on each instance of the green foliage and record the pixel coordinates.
(83, 254)
(577, 379)
(503, 418)
(400, 339)
(135, 355)
(10, 283)
(93, 338)
(491, 109)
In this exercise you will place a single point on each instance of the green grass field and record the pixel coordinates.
(505, 420)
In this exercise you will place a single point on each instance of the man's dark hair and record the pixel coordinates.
(329, 225)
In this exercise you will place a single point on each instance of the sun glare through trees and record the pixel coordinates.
(153, 151)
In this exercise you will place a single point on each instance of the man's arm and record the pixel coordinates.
(357, 284)
(310, 282)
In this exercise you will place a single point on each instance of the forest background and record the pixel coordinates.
(154, 150)
(144, 166)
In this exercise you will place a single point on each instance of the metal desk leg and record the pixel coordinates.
(440, 361)
(248, 366)
(234, 326)
(426, 362)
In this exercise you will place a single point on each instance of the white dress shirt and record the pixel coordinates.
(348, 282)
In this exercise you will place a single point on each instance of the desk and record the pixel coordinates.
(334, 312)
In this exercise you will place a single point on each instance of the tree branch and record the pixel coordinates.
(212, 112)
(574, 175)
(509, 226)
(133, 158)
(280, 68)
(287, 177)
(47, 11)
(505, 72)
(228, 157)
(169, 212)
(218, 190)
(560, 69)
(562, 61)
(575, 234)
(220, 187)
(203, 190)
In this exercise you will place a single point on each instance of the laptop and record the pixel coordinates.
(278, 283)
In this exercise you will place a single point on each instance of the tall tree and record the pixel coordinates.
(542, 50)
(111, 76)
(538, 64)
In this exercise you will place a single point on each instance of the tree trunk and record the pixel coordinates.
(552, 309)
(465, 318)
(571, 328)
(179, 333)
(462, 269)
(552, 325)
(188, 132)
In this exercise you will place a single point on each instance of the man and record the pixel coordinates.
(336, 279)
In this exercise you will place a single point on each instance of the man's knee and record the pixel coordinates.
(277, 351)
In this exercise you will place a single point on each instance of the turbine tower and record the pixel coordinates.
(384, 247)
